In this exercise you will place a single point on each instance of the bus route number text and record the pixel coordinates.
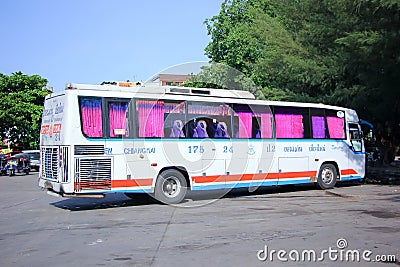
(196, 149)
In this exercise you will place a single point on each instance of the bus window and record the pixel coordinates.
(118, 119)
(243, 122)
(355, 137)
(208, 120)
(318, 123)
(291, 122)
(262, 122)
(91, 116)
(174, 118)
(150, 118)
(252, 121)
(335, 120)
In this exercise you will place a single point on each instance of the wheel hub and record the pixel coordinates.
(171, 187)
(327, 176)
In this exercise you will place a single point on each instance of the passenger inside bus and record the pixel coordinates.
(221, 130)
(177, 129)
(201, 130)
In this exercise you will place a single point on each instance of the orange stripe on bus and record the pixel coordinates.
(348, 172)
(131, 183)
(250, 177)
(228, 178)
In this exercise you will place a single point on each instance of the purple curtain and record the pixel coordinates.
(335, 127)
(92, 125)
(266, 125)
(245, 124)
(118, 119)
(318, 126)
(151, 118)
(289, 126)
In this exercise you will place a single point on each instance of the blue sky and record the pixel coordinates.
(90, 41)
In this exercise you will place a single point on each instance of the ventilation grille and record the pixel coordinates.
(89, 150)
(64, 161)
(49, 162)
(55, 163)
(92, 173)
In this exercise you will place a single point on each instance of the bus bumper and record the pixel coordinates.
(50, 186)
(55, 189)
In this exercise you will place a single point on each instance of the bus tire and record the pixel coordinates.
(171, 187)
(327, 177)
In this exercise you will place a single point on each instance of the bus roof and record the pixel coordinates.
(149, 89)
(189, 93)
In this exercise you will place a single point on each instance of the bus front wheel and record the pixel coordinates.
(327, 176)
(171, 187)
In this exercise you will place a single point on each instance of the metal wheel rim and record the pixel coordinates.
(171, 187)
(327, 176)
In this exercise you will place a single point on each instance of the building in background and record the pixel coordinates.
(169, 79)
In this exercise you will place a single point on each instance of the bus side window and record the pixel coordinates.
(91, 116)
(174, 117)
(335, 121)
(318, 123)
(252, 121)
(355, 137)
(150, 115)
(292, 122)
(208, 120)
(118, 119)
(243, 121)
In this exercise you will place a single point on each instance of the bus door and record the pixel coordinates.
(356, 153)
(119, 143)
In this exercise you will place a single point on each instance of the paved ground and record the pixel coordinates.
(40, 230)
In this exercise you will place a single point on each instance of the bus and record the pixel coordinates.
(167, 141)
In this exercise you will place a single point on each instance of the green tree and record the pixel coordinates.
(21, 106)
(332, 51)
(264, 40)
(372, 59)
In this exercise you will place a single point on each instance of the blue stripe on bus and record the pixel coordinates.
(348, 178)
(138, 190)
(249, 184)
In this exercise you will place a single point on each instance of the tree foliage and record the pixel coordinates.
(333, 51)
(21, 108)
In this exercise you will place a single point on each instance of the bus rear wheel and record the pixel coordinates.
(327, 176)
(171, 187)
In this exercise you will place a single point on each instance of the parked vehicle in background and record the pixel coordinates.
(18, 163)
(34, 159)
(3, 163)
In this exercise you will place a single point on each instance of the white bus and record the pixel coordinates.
(164, 141)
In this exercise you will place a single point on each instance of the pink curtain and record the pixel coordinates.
(118, 120)
(151, 118)
(289, 126)
(245, 124)
(266, 125)
(92, 125)
(335, 127)
(318, 126)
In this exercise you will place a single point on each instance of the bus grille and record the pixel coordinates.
(89, 150)
(54, 163)
(92, 173)
(64, 155)
(49, 162)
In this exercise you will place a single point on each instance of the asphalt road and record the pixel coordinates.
(242, 229)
